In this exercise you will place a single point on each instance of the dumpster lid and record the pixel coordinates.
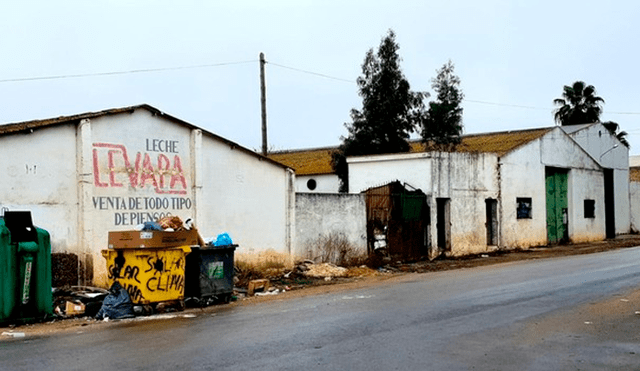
(20, 225)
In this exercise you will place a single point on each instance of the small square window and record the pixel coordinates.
(589, 208)
(524, 207)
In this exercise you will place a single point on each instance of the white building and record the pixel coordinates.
(84, 175)
(634, 194)
(313, 169)
(513, 189)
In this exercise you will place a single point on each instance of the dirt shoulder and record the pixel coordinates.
(296, 288)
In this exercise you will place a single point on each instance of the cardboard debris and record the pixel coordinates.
(153, 239)
(257, 285)
(73, 309)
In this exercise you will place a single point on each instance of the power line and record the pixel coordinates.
(146, 70)
(540, 108)
(312, 73)
(504, 104)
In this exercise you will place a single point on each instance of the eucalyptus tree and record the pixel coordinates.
(390, 110)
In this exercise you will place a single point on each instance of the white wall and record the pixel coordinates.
(607, 150)
(248, 197)
(116, 171)
(634, 200)
(319, 216)
(39, 174)
(523, 175)
(467, 179)
(372, 171)
(325, 183)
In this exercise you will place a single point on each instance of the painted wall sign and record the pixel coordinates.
(155, 177)
(164, 173)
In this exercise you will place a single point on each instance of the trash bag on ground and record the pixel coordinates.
(117, 304)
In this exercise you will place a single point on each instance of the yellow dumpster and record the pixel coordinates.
(150, 275)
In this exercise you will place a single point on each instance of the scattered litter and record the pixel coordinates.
(327, 278)
(157, 316)
(188, 316)
(77, 300)
(274, 292)
(74, 308)
(588, 323)
(638, 313)
(117, 304)
(14, 334)
(625, 300)
(484, 256)
(257, 286)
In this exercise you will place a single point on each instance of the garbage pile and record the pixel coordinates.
(77, 301)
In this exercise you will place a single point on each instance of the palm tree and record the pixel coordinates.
(578, 105)
(613, 128)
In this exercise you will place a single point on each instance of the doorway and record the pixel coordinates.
(492, 221)
(557, 205)
(443, 223)
(609, 204)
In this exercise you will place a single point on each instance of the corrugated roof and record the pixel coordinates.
(634, 174)
(35, 124)
(316, 161)
(27, 126)
(499, 143)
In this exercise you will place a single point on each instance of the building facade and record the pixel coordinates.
(85, 175)
(512, 189)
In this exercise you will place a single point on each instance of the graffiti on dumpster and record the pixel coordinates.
(165, 282)
(134, 292)
(155, 278)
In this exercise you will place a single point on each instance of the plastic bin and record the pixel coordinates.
(150, 275)
(25, 269)
(209, 273)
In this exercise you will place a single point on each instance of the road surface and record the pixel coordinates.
(552, 314)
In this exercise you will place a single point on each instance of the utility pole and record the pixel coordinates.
(263, 102)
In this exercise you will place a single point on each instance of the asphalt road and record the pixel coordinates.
(518, 316)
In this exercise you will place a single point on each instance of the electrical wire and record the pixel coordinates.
(146, 70)
(504, 104)
(311, 73)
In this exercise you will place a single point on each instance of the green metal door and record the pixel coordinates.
(557, 205)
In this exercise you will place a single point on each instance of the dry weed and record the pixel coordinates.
(264, 264)
(333, 248)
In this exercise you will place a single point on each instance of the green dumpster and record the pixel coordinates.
(25, 269)
(209, 273)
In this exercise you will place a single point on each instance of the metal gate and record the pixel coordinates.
(557, 205)
(397, 220)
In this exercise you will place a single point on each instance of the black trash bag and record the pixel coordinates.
(117, 304)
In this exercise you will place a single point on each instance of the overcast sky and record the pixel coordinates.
(513, 58)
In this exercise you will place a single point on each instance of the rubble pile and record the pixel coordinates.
(324, 270)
